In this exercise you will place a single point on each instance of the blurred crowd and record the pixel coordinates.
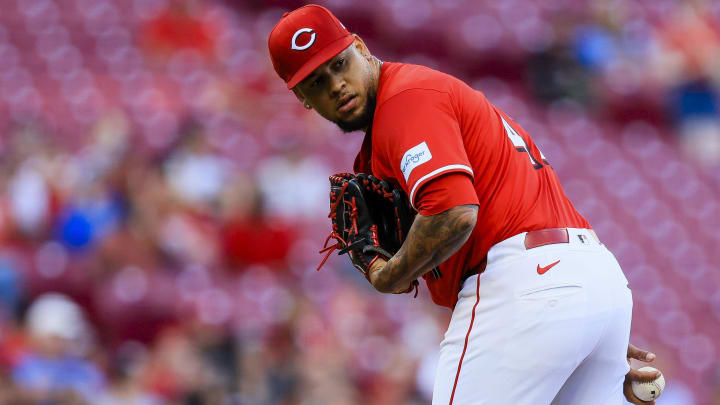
(163, 196)
(655, 61)
(129, 278)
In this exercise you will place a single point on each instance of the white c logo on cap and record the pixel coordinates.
(297, 34)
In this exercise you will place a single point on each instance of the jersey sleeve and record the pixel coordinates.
(419, 138)
(445, 192)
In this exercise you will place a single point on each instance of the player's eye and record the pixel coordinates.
(316, 82)
(340, 62)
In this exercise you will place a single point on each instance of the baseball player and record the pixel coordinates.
(541, 308)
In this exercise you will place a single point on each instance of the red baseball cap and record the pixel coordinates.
(303, 40)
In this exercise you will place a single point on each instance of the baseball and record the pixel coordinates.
(648, 391)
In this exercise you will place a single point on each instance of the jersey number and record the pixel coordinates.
(521, 146)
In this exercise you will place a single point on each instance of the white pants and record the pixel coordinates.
(519, 337)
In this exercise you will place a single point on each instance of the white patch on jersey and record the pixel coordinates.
(413, 158)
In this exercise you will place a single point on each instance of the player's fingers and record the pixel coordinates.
(630, 396)
(642, 376)
(639, 354)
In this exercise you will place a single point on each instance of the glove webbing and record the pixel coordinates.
(333, 212)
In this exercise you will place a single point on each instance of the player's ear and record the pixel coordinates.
(361, 48)
(302, 99)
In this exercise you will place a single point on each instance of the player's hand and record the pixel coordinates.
(635, 375)
(377, 266)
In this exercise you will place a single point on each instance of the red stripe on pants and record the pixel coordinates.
(467, 337)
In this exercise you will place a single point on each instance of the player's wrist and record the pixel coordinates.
(375, 275)
(381, 277)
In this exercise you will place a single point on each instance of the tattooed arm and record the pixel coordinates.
(431, 240)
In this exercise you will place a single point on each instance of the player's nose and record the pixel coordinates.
(337, 83)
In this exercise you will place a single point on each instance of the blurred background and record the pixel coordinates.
(163, 196)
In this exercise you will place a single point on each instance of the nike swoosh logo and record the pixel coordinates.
(543, 270)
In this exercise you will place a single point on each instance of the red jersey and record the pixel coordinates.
(428, 124)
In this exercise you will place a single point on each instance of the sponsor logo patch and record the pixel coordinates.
(413, 158)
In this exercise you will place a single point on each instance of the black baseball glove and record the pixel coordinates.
(370, 219)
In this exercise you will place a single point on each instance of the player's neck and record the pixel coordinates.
(376, 66)
(377, 71)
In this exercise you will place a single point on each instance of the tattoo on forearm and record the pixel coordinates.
(432, 239)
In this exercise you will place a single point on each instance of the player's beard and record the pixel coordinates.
(365, 119)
